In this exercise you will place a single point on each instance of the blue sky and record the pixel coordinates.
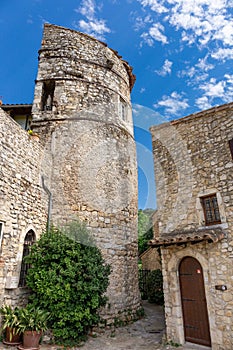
(181, 51)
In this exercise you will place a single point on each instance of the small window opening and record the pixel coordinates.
(47, 95)
(1, 229)
(28, 242)
(211, 210)
(231, 147)
(123, 109)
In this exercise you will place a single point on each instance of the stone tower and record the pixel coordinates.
(82, 111)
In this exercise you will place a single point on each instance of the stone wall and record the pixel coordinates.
(150, 260)
(90, 159)
(90, 79)
(23, 206)
(193, 159)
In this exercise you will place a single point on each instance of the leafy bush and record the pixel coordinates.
(68, 278)
(155, 287)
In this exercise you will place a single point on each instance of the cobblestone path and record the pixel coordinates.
(146, 334)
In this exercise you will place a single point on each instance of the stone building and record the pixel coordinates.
(84, 165)
(194, 179)
(150, 260)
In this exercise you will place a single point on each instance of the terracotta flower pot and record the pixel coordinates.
(11, 338)
(31, 340)
(35, 137)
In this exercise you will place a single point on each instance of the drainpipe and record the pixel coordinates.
(49, 204)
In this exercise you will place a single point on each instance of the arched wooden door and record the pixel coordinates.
(195, 315)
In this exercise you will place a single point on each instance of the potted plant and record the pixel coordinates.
(33, 134)
(32, 322)
(10, 325)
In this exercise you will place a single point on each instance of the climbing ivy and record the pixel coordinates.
(68, 278)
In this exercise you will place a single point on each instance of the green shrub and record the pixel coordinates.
(68, 278)
(145, 231)
(155, 287)
(142, 280)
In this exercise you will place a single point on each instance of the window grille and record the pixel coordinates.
(211, 210)
(28, 242)
(123, 109)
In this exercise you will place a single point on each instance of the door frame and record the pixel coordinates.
(190, 305)
(170, 268)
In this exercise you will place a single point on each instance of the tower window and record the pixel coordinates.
(47, 95)
(211, 210)
(123, 109)
(28, 242)
(231, 147)
(1, 228)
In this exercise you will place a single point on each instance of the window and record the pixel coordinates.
(28, 242)
(47, 95)
(211, 210)
(24, 121)
(231, 147)
(1, 229)
(123, 110)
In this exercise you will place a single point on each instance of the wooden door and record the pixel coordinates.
(195, 315)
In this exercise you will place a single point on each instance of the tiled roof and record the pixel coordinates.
(211, 235)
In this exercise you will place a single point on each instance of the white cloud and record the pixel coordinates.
(198, 26)
(155, 5)
(87, 9)
(91, 25)
(223, 54)
(198, 72)
(155, 34)
(188, 72)
(140, 22)
(225, 32)
(213, 89)
(96, 28)
(204, 65)
(200, 21)
(147, 39)
(229, 88)
(173, 104)
(229, 78)
(203, 103)
(166, 69)
(216, 91)
(206, 19)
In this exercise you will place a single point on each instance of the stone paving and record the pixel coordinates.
(147, 333)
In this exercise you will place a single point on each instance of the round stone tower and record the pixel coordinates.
(82, 111)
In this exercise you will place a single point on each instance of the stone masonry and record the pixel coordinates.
(90, 158)
(150, 260)
(86, 158)
(193, 160)
(23, 204)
